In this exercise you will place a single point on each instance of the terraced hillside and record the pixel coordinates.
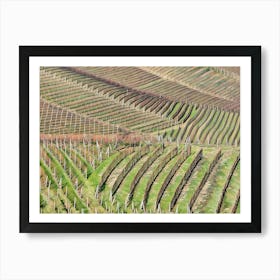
(139, 140)
(78, 178)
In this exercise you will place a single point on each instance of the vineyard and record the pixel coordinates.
(139, 140)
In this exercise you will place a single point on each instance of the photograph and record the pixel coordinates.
(140, 139)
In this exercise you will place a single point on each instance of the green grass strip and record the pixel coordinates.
(232, 190)
(165, 203)
(238, 208)
(61, 197)
(85, 162)
(194, 181)
(124, 189)
(138, 195)
(151, 202)
(66, 182)
(106, 194)
(216, 184)
(95, 177)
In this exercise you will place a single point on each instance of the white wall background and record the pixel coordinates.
(138, 256)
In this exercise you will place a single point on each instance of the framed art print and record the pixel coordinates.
(140, 138)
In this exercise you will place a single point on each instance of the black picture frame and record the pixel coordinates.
(25, 52)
